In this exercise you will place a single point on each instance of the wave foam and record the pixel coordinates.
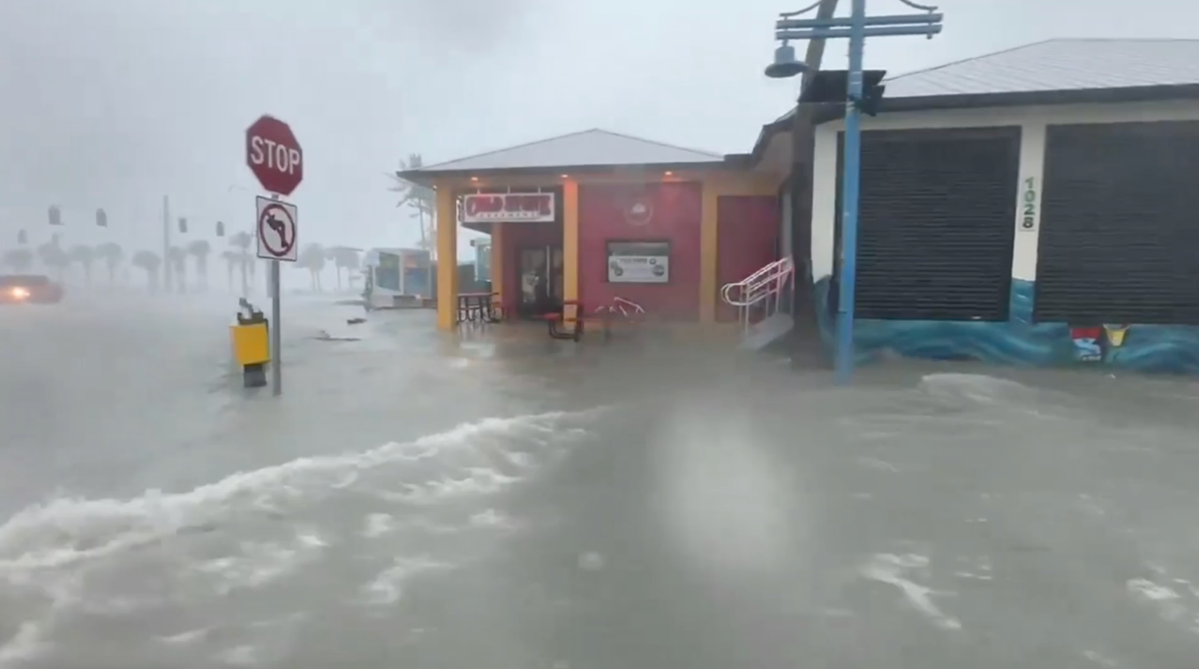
(458, 462)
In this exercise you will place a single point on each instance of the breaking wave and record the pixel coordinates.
(472, 458)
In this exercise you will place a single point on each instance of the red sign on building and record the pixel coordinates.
(504, 207)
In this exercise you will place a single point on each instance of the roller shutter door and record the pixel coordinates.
(1119, 238)
(936, 224)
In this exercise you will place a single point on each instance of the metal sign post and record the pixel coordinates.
(276, 331)
(274, 155)
(276, 232)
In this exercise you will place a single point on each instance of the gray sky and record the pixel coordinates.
(114, 103)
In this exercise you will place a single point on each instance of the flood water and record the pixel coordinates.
(505, 501)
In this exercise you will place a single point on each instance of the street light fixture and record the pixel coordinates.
(785, 65)
(857, 27)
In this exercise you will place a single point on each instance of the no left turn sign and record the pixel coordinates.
(277, 231)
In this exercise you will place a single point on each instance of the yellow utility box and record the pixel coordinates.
(251, 344)
(250, 339)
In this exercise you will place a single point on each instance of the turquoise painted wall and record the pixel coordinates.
(1020, 341)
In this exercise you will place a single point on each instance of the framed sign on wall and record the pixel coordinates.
(639, 262)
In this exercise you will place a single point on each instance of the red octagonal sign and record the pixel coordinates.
(274, 155)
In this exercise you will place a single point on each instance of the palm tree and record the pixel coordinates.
(53, 257)
(84, 255)
(312, 258)
(232, 259)
(178, 259)
(241, 242)
(112, 254)
(150, 262)
(344, 257)
(420, 198)
(200, 250)
(19, 260)
(252, 262)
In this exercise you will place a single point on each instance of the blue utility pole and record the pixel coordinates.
(851, 183)
(857, 27)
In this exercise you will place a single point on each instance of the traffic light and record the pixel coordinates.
(101, 219)
(182, 224)
(22, 238)
(871, 100)
(831, 87)
(55, 215)
(220, 229)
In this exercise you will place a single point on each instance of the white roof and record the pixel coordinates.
(580, 149)
(1055, 65)
(1058, 65)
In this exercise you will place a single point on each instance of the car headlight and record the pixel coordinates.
(20, 293)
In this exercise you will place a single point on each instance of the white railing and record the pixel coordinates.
(761, 293)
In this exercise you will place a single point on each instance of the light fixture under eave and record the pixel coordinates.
(565, 176)
(474, 178)
(669, 173)
(785, 65)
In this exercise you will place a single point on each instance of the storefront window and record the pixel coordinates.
(387, 274)
(482, 261)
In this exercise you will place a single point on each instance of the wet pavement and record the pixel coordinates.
(505, 501)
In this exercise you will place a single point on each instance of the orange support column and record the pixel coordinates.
(570, 243)
(709, 291)
(497, 261)
(447, 259)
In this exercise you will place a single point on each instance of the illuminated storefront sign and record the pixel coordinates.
(508, 207)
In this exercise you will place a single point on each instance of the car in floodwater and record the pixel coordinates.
(29, 288)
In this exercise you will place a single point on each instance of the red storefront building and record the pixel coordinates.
(594, 215)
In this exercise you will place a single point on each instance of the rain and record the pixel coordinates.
(417, 498)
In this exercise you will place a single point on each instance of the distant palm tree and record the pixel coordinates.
(312, 258)
(344, 257)
(232, 260)
(52, 256)
(251, 263)
(19, 260)
(422, 199)
(178, 258)
(200, 249)
(112, 254)
(241, 242)
(84, 256)
(149, 262)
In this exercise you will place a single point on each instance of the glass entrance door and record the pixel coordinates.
(540, 280)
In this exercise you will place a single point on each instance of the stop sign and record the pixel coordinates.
(274, 155)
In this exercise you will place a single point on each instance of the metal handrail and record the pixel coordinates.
(772, 275)
(768, 268)
(754, 282)
(762, 289)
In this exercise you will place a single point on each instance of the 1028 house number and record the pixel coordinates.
(1028, 205)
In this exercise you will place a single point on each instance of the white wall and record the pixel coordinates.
(1032, 121)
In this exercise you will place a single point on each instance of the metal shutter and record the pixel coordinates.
(936, 224)
(1119, 239)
